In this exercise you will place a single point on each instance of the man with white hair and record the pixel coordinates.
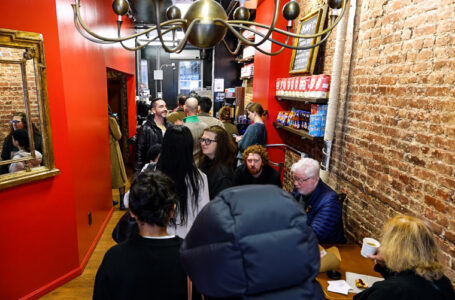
(319, 201)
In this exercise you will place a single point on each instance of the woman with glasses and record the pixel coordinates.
(19, 121)
(217, 159)
(176, 161)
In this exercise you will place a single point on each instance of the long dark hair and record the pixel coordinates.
(225, 149)
(177, 162)
(21, 136)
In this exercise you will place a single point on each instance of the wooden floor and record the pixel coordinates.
(82, 286)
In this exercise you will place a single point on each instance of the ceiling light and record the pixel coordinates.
(206, 23)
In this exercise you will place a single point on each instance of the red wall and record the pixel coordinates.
(44, 226)
(266, 70)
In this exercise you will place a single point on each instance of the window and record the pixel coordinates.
(190, 76)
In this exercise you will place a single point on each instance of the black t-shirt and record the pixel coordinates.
(142, 268)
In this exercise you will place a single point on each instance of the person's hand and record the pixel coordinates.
(238, 138)
(377, 258)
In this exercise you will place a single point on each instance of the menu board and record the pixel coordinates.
(302, 61)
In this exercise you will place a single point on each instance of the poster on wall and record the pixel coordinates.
(303, 61)
(218, 85)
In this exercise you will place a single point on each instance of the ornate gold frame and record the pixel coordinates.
(321, 14)
(32, 43)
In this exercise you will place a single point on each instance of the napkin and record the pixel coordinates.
(369, 280)
(339, 286)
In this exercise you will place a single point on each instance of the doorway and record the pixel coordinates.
(118, 101)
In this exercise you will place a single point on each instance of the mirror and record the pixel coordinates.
(25, 133)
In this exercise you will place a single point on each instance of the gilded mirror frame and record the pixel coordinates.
(32, 44)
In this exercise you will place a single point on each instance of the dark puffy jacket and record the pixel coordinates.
(324, 214)
(149, 134)
(252, 242)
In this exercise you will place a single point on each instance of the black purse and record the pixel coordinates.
(125, 228)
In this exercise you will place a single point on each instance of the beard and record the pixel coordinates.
(253, 170)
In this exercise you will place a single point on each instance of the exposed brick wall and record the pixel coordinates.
(395, 133)
(11, 90)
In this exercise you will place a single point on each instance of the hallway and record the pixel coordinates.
(82, 286)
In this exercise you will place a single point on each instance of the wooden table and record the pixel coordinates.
(351, 261)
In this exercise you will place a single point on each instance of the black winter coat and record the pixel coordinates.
(149, 134)
(220, 178)
(253, 242)
(407, 285)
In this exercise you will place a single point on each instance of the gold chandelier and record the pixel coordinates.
(206, 23)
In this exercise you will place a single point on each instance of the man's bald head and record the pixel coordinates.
(191, 106)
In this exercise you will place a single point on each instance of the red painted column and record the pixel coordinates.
(266, 70)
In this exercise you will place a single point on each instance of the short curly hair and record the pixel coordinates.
(257, 149)
(153, 198)
(225, 113)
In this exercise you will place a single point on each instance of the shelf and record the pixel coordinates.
(300, 132)
(306, 100)
(244, 60)
(246, 78)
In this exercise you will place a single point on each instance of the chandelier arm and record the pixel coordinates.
(88, 37)
(148, 41)
(238, 35)
(285, 44)
(135, 48)
(283, 47)
(294, 35)
(136, 41)
(272, 27)
(182, 43)
(236, 51)
(76, 12)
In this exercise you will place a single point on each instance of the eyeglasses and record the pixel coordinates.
(301, 180)
(15, 121)
(206, 141)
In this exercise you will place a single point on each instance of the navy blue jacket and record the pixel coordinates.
(324, 214)
(252, 242)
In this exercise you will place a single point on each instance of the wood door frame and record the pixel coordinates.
(115, 75)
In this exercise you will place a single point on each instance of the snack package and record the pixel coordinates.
(277, 87)
(330, 259)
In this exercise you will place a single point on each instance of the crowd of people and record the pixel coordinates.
(213, 221)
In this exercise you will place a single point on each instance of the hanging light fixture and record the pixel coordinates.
(206, 23)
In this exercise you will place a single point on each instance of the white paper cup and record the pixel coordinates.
(369, 247)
